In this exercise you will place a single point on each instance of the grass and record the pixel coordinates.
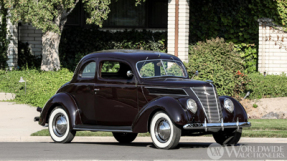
(259, 128)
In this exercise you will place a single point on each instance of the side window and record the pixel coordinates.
(89, 70)
(114, 70)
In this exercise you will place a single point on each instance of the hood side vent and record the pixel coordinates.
(166, 91)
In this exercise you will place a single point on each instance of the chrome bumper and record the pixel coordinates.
(222, 125)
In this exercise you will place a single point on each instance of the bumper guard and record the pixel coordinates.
(222, 125)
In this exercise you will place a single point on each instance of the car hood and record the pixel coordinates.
(175, 82)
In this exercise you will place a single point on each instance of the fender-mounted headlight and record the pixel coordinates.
(191, 105)
(228, 105)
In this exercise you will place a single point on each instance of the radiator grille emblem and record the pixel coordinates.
(206, 93)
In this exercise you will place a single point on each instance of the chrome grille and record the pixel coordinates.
(209, 101)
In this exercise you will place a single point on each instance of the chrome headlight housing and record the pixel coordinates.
(191, 105)
(228, 105)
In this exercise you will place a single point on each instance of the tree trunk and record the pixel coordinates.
(50, 51)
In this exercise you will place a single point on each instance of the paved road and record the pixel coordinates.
(134, 151)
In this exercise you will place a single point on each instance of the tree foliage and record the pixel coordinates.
(236, 21)
(4, 42)
(49, 14)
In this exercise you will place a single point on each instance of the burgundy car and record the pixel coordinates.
(128, 92)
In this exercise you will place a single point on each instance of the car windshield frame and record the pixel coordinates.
(176, 61)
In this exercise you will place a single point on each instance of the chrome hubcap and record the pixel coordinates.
(162, 130)
(59, 125)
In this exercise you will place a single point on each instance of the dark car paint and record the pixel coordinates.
(67, 102)
(137, 107)
(239, 111)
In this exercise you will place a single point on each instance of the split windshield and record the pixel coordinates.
(160, 68)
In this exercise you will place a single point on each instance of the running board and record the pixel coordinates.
(103, 128)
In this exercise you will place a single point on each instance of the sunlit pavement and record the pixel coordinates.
(140, 151)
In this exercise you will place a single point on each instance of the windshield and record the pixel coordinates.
(160, 68)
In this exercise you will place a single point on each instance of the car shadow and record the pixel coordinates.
(184, 145)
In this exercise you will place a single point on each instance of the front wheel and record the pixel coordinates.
(125, 138)
(228, 136)
(164, 134)
(59, 126)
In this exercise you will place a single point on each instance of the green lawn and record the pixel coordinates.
(259, 128)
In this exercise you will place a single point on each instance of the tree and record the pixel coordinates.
(50, 16)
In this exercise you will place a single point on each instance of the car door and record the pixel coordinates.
(116, 94)
(84, 91)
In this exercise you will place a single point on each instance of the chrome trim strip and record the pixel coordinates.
(217, 125)
(186, 94)
(107, 130)
(199, 102)
(185, 72)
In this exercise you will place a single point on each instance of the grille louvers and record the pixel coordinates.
(209, 100)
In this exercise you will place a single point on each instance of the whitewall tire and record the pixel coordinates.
(59, 126)
(164, 134)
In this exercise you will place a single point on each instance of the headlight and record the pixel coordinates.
(228, 105)
(191, 105)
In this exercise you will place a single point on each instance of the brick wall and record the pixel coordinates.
(183, 30)
(272, 48)
(33, 37)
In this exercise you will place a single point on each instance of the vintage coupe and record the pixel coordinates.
(134, 91)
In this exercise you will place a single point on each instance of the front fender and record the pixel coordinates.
(67, 102)
(167, 104)
(239, 111)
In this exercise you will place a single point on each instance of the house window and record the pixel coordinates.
(124, 14)
(150, 14)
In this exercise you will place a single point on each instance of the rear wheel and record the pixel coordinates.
(125, 138)
(59, 126)
(228, 136)
(164, 134)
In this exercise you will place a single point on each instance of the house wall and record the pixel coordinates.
(32, 36)
(183, 29)
(272, 55)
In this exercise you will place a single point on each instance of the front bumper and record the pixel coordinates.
(216, 126)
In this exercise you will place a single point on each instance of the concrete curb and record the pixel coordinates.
(138, 139)
(7, 96)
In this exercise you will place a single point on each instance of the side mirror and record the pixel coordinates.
(129, 73)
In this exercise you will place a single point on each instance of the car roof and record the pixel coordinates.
(131, 55)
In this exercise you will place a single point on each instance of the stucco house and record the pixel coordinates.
(157, 15)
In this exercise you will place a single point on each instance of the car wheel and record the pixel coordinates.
(125, 138)
(164, 134)
(228, 136)
(59, 126)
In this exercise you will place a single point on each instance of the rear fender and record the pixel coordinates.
(167, 104)
(67, 102)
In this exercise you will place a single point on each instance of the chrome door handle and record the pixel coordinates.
(96, 90)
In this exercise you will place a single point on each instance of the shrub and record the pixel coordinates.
(266, 87)
(41, 86)
(217, 60)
